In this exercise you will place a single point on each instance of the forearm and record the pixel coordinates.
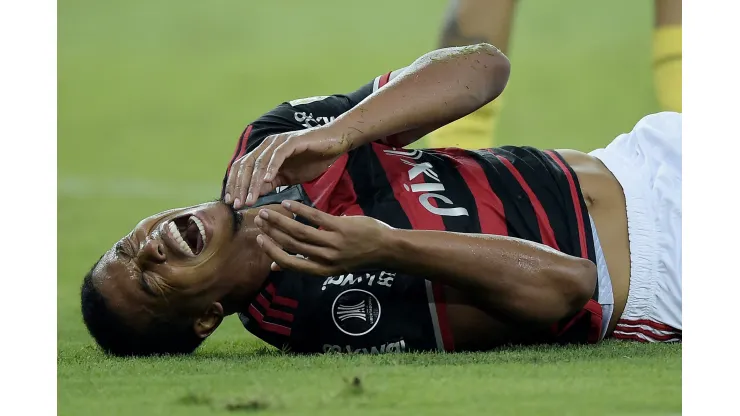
(436, 89)
(513, 278)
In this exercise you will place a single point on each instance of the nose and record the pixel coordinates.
(152, 252)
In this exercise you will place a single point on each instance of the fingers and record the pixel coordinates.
(283, 151)
(246, 181)
(285, 261)
(295, 229)
(258, 185)
(240, 172)
(313, 215)
(239, 175)
(231, 183)
(276, 160)
(242, 179)
(268, 186)
(290, 243)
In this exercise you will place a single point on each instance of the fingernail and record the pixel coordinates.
(237, 203)
(286, 204)
(259, 240)
(264, 214)
(258, 221)
(227, 198)
(268, 177)
(249, 197)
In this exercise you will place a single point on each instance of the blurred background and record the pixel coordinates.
(153, 94)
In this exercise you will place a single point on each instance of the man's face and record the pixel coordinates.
(181, 260)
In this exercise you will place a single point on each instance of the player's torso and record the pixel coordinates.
(519, 192)
(606, 204)
(514, 191)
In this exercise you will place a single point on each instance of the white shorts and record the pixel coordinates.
(647, 163)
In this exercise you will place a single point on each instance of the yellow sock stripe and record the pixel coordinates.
(667, 66)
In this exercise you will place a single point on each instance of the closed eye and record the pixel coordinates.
(145, 285)
(124, 248)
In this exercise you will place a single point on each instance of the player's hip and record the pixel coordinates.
(647, 164)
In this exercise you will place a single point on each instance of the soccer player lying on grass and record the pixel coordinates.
(369, 247)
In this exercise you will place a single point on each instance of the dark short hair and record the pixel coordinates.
(114, 336)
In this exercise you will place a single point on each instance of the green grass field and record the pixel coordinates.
(152, 96)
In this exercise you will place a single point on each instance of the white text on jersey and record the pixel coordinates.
(428, 189)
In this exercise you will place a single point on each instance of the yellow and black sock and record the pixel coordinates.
(474, 131)
(667, 66)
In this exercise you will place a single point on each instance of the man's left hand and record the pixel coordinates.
(339, 245)
(284, 159)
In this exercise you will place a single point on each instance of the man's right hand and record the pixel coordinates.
(282, 160)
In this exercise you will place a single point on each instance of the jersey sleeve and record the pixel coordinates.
(300, 114)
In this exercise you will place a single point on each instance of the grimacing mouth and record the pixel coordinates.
(189, 233)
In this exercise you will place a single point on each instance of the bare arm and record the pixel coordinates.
(512, 278)
(516, 280)
(438, 88)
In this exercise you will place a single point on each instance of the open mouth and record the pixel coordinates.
(189, 234)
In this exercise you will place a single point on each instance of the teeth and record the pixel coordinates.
(201, 228)
(175, 234)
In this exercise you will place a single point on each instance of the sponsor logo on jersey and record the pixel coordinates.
(307, 120)
(428, 190)
(355, 312)
(388, 347)
(370, 279)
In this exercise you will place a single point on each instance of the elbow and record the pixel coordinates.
(579, 284)
(495, 68)
(561, 289)
(570, 285)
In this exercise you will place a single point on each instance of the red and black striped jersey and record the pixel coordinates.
(521, 192)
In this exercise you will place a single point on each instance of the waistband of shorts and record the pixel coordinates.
(606, 293)
(641, 230)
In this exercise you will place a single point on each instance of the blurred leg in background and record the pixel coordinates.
(667, 54)
(468, 22)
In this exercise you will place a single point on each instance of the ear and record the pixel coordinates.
(210, 320)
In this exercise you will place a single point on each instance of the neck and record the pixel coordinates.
(256, 270)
